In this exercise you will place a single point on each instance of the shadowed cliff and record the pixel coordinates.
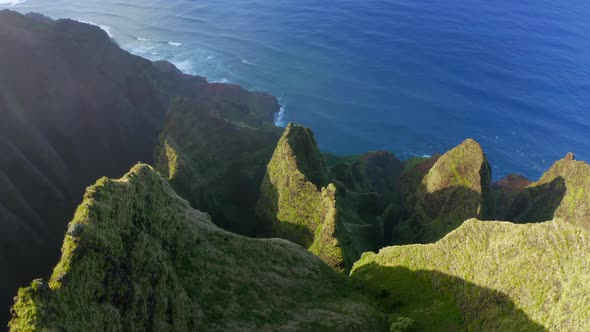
(75, 107)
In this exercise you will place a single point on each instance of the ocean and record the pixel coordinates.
(411, 76)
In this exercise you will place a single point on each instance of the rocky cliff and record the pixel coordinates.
(137, 257)
(75, 107)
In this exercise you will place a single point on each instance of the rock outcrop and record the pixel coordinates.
(376, 171)
(138, 257)
(562, 193)
(505, 192)
(215, 161)
(457, 187)
(297, 203)
(499, 275)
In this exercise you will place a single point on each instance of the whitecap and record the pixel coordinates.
(175, 44)
(142, 39)
(211, 57)
(247, 62)
(184, 66)
(279, 117)
(104, 28)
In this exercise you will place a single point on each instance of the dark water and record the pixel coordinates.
(414, 77)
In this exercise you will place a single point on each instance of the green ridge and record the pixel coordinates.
(137, 257)
(296, 204)
(456, 187)
(501, 276)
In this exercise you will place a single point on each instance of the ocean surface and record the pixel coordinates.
(411, 76)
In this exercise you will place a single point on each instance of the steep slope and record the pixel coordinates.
(502, 276)
(376, 171)
(455, 188)
(499, 276)
(505, 192)
(563, 192)
(296, 203)
(216, 161)
(75, 107)
(137, 257)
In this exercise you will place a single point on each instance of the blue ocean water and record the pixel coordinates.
(415, 77)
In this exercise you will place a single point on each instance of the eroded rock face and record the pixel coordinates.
(505, 191)
(455, 188)
(376, 171)
(215, 161)
(290, 204)
(296, 203)
(562, 193)
(500, 276)
(142, 259)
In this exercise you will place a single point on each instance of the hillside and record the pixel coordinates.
(137, 257)
(75, 107)
(501, 276)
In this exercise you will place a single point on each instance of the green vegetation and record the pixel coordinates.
(563, 193)
(456, 187)
(376, 171)
(502, 276)
(214, 162)
(137, 257)
(297, 204)
(505, 192)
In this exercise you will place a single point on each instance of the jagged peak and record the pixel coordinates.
(460, 166)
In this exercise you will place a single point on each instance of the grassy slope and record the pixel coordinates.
(562, 192)
(214, 162)
(297, 204)
(137, 257)
(455, 188)
(501, 275)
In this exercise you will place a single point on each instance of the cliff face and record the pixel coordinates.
(563, 193)
(215, 160)
(456, 187)
(501, 276)
(75, 107)
(296, 203)
(138, 257)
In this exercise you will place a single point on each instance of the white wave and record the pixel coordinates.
(104, 28)
(185, 66)
(223, 80)
(142, 39)
(247, 62)
(11, 2)
(175, 44)
(279, 117)
(211, 57)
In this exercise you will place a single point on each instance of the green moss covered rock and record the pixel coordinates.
(376, 171)
(505, 192)
(291, 204)
(215, 161)
(296, 203)
(455, 188)
(137, 257)
(563, 193)
(500, 276)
